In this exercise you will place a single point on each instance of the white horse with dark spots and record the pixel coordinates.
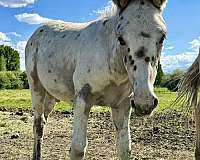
(111, 61)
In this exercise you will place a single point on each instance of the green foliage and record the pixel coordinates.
(160, 75)
(11, 58)
(13, 80)
(2, 63)
(10, 80)
(24, 79)
(171, 81)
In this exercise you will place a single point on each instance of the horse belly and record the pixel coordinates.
(57, 78)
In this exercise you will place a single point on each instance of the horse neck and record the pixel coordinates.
(115, 56)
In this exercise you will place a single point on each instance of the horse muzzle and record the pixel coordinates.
(143, 109)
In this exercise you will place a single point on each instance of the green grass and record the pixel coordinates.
(12, 99)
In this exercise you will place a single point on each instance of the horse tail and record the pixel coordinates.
(189, 86)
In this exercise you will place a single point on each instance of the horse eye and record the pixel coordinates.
(121, 41)
(162, 39)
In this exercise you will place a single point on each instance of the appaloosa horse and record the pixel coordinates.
(97, 63)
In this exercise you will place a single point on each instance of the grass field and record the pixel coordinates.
(12, 99)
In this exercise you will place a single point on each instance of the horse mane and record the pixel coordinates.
(111, 9)
(189, 86)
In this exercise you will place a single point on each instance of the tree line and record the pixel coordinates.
(10, 75)
(169, 80)
(12, 78)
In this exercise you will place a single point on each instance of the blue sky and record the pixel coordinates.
(19, 19)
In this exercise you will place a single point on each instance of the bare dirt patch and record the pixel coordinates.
(164, 136)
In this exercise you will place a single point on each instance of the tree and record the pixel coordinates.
(173, 80)
(160, 75)
(2, 63)
(11, 58)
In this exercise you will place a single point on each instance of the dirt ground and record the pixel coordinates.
(169, 136)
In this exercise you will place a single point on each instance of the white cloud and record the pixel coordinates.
(3, 37)
(32, 18)
(181, 60)
(195, 44)
(14, 34)
(16, 3)
(20, 47)
(169, 47)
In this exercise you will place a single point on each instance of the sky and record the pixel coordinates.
(20, 18)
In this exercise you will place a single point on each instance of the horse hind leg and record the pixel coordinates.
(38, 96)
(43, 104)
(39, 121)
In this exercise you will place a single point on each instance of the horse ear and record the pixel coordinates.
(159, 3)
(121, 3)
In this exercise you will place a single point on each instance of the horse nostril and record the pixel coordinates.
(132, 103)
(155, 102)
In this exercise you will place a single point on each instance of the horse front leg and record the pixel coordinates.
(79, 139)
(121, 118)
(197, 121)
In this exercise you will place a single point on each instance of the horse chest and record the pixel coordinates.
(112, 94)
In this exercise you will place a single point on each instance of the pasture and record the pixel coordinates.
(169, 134)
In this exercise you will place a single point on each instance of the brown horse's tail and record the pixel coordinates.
(189, 86)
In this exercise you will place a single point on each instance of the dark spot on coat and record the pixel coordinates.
(142, 3)
(104, 22)
(141, 52)
(153, 59)
(121, 18)
(125, 59)
(132, 62)
(130, 57)
(118, 27)
(78, 35)
(85, 92)
(64, 36)
(49, 71)
(146, 35)
(55, 80)
(147, 59)
(134, 68)
(31, 44)
(88, 71)
(121, 41)
(128, 49)
(42, 30)
(36, 50)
